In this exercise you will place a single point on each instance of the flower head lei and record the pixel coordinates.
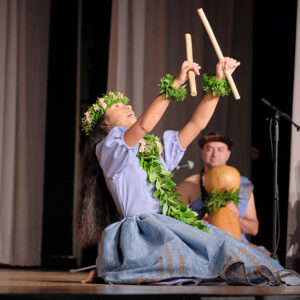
(150, 149)
(96, 110)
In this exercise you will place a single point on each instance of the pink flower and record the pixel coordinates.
(158, 144)
(121, 95)
(88, 117)
(96, 107)
(142, 142)
(101, 100)
(142, 149)
(104, 105)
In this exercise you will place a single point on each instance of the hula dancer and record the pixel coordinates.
(145, 234)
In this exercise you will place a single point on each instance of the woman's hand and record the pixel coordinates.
(228, 64)
(182, 77)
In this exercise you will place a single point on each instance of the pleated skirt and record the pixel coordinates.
(156, 249)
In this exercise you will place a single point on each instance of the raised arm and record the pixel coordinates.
(206, 107)
(151, 116)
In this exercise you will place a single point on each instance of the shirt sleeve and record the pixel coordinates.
(246, 187)
(113, 154)
(173, 151)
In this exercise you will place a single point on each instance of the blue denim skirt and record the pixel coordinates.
(156, 249)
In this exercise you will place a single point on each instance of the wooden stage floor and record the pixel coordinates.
(39, 284)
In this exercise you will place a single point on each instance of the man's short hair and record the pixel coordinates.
(215, 137)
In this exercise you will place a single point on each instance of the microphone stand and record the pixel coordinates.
(276, 118)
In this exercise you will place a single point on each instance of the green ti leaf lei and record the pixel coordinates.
(150, 148)
(217, 87)
(166, 86)
(218, 200)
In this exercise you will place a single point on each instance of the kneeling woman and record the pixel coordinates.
(129, 207)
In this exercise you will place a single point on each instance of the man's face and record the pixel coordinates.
(215, 154)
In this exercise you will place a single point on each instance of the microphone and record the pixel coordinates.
(266, 102)
(187, 165)
(280, 113)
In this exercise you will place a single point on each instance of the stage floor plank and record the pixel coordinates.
(33, 282)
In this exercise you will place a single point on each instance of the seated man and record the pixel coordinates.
(215, 150)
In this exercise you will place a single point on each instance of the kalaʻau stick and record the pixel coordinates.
(218, 52)
(189, 56)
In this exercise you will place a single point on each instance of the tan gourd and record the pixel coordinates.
(221, 179)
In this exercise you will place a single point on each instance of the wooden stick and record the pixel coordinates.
(72, 271)
(218, 52)
(189, 56)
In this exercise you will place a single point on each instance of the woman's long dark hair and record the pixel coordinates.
(96, 207)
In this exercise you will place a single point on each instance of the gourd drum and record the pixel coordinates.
(221, 179)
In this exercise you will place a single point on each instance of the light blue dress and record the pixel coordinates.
(148, 247)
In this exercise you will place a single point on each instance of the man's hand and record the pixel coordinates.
(233, 208)
(205, 217)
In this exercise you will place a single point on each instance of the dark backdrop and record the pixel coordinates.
(273, 72)
(60, 135)
(273, 50)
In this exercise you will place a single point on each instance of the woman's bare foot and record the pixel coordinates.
(92, 277)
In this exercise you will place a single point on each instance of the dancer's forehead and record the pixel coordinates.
(118, 104)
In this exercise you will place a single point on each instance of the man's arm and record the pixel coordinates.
(189, 190)
(249, 224)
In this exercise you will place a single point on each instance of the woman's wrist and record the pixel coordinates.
(219, 77)
(177, 83)
(218, 87)
(168, 85)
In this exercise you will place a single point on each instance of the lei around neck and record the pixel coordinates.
(150, 149)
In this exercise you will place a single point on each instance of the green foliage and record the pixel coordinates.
(166, 86)
(96, 110)
(217, 87)
(149, 155)
(218, 200)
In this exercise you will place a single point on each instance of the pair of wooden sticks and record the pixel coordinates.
(189, 54)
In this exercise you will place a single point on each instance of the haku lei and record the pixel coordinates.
(150, 149)
(98, 109)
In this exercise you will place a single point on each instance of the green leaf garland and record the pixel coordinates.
(96, 110)
(218, 200)
(210, 84)
(166, 86)
(150, 148)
